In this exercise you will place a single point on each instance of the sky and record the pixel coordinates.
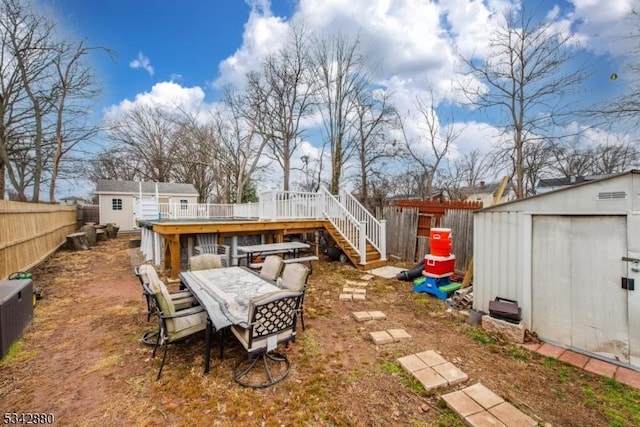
(170, 51)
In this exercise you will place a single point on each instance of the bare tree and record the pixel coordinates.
(437, 137)
(146, 133)
(70, 98)
(468, 170)
(241, 142)
(340, 72)
(196, 156)
(282, 94)
(526, 79)
(374, 117)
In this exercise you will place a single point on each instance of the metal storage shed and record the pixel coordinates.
(571, 258)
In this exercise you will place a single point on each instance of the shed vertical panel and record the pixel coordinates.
(499, 254)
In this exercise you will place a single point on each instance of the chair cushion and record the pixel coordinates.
(183, 326)
(260, 344)
(205, 262)
(294, 276)
(271, 267)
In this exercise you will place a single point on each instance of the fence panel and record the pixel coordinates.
(402, 229)
(30, 232)
(461, 224)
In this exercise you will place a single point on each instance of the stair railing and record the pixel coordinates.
(352, 230)
(376, 231)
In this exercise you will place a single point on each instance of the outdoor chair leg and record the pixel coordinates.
(164, 357)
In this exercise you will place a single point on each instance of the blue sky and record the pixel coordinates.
(184, 50)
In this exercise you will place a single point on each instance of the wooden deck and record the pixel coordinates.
(274, 231)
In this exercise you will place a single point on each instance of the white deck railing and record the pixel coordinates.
(376, 231)
(353, 231)
(347, 215)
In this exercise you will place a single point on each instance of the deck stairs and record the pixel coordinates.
(373, 259)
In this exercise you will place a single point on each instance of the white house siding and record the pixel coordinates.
(504, 261)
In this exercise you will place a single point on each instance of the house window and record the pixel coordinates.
(116, 204)
(183, 204)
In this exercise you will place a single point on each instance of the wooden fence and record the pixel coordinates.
(409, 223)
(30, 232)
(402, 224)
(87, 213)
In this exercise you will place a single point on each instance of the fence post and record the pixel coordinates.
(383, 239)
(363, 242)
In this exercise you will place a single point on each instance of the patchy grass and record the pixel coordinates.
(621, 403)
(518, 353)
(479, 335)
(17, 354)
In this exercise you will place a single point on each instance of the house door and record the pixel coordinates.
(577, 298)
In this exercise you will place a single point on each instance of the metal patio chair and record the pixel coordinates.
(294, 277)
(173, 325)
(271, 322)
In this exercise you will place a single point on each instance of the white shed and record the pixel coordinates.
(570, 258)
(119, 200)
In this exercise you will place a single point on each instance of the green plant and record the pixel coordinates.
(391, 368)
(518, 353)
(479, 335)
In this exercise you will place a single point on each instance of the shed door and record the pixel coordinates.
(577, 299)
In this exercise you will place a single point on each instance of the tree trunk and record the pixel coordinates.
(77, 242)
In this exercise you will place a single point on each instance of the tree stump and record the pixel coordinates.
(101, 235)
(77, 242)
(90, 230)
(112, 230)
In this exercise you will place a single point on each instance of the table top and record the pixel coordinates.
(227, 292)
(284, 246)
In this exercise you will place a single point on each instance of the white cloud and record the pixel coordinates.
(164, 94)
(263, 33)
(142, 62)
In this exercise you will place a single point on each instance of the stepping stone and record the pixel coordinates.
(429, 378)
(451, 373)
(381, 337)
(462, 404)
(359, 291)
(481, 394)
(411, 363)
(483, 419)
(377, 315)
(361, 316)
(346, 297)
(359, 297)
(512, 416)
(398, 334)
(367, 277)
(431, 358)
(348, 290)
(357, 284)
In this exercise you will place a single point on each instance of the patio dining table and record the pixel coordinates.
(285, 248)
(225, 294)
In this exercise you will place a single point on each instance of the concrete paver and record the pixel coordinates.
(573, 358)
(511, 416)
(361, 316)
(550, 350)
(431, 358)
(532, 346)
(628, 376)
(356, 283)
(381, 337)
(429, 378)
(377, 315)
(398, 334)
(462, 404)
(481, 394)
(483, 419)
(451, 373)
(599, 367)
(359, 297)
(411, 363)
(346, 297)
(359, 291)
(367, 277)
(348, 290)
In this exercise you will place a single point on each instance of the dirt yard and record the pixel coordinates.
(81, 360)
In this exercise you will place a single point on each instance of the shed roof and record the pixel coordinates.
(133, 187)
(553, 193)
